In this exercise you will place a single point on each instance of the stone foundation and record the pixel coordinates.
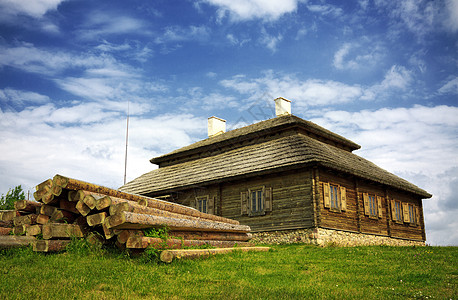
(327, 237)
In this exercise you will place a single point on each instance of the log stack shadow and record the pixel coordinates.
(67, 208)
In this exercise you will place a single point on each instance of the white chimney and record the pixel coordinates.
(282, 107)
(216, 126)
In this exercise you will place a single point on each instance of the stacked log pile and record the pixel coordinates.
(67, 208)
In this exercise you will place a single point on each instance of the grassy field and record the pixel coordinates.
(286, 272)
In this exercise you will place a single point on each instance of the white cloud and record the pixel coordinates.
(325, 9)
(180, 34)
(85, 141)
(317, 92)
(451, 87)
(270, 41)
(21, 97)
(354, 56)
(418, 144)
(243, 10)
(35, 8)
(451, 20)
(106, 23)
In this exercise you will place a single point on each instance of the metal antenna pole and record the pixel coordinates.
(127, 140)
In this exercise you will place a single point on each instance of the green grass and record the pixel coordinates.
(286, 272)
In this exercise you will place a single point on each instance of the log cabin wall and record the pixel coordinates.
(404, 228)
(375, 222)
(291, 195)
(338, 218)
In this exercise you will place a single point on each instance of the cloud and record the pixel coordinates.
(85, 141)
(270, 41)
(181, 34)
(35, 9)
(325, 9)
(19, 97)
(244, 10)
(318, 92)
(451, 11)
(451, 87)
(354, 56)
(418, 144)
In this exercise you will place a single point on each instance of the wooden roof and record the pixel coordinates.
(285, 153)
(236, 136)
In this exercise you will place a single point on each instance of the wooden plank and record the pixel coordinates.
(7, 215)
(220, 236)
(26, 205)
(33, 230)
(83, 208)
(128, 220)
(12, 241)
(169, 255)
(96, 219)
(50, 245)
(43, 219)
(26, 219)
(57, 230)
(5, 230)
(143, 242)
(126, 234)
(20, 229)
(47, 210)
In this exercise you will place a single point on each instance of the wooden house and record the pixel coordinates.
(290, 180)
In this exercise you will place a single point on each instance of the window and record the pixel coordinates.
(372, 205)
(334, 189)
(256, 201)
(334, 197)
(202, 204)
(412, 214)
(398, 212)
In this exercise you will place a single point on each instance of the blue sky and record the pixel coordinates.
(381, 73)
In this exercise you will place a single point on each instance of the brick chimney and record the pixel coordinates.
(282, 107)
(216, 126)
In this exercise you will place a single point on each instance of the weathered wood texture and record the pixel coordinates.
(291, 200)
(220, 236)
(143, 242)
(96, 219)
(8, 215)
(25, 220)
(73, 184)
(50, 245)
(12, 241)
(128, 220)
(56, 230)
(26, 205)
(5, 230)
(169, 255)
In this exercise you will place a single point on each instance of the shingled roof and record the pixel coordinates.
(257, 129)
(285, 153)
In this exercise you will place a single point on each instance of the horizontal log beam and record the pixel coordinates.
(5, 230)
(27, 205)
(139, 242)
(50, 245)
(168, 255)
(96, 219)
(220, 236)
(12, 241)
(57, 230)
(128, 220)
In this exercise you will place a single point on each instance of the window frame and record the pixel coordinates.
(334, 197)
(202, 202)
(263, 201)
(373, 207)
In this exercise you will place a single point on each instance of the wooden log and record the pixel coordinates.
(50, 245)
(5, 230)
(168, 255)
(74, 184)
(96, 219)
(63, 216)
(12, 241)
(49, 198)
(33, 230)
(143, 242)
(57, 230)
(43, 219)
(42, 189)
(26, 219)
(126, 234)
(109, 233)
(128, 220)
(219, 236)
(83, 208)
(47, 210)
(27, 205)
(6, 223)
(8, 215)
(68, 206)
(20, 229)
(95, 239)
